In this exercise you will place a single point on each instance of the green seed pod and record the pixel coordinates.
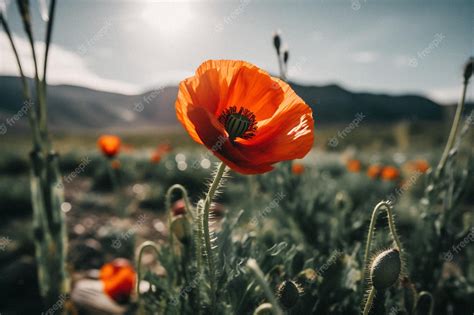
(288, 294)
(385, 269)
(181, 228)
(286, 55)
(277, 41)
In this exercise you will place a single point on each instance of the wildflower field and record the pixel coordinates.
(250, 204)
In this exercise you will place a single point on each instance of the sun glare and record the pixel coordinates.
(168, 19)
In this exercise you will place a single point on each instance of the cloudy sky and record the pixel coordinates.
(392, 46)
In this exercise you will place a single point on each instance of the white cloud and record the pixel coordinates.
(365, 56)
(64, 66)
(449, 95)
(402, 60)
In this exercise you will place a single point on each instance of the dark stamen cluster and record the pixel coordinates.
(238, 124)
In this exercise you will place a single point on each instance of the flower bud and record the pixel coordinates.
(468, 69)
(286, 55)
(385, 269)
(288, 294)
(181, 228)
(277, 41)
(179, 208)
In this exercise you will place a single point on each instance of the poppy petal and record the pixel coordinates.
(256, 91)
(287, 135)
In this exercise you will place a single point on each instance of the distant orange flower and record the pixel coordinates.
(297, 168)
(161, 150)
(118, 278)
(421, 166)
(109, 145)
(155, 158)
(247, 118)
(115, 164)
(374, 171)
(164, 148)
(390, 173)
(354, 166)
(128, 147)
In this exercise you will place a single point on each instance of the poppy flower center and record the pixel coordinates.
(238, 124)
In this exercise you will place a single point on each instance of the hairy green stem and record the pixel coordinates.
(141, 250)
(370, 299)
(264, 308)
(260, 278)
(199, 234)
(188, 211)
(431, 299)
(393, 231)
(207, 236)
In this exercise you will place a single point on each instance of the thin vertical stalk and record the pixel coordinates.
(44, 86)
(207, 237)
(368, 303)
(198, 242)
(116, 187)
(170, 213)
(47, 194)
(281, 67)
(454, 130)
(26, 90)
(253, 266)
(49, 31)
(141, 250)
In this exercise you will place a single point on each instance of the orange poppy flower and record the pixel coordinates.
(118, 278)
(421, 166)
(390, 173)
(109, 145)
(155, 158)
(354, 166)
(115, 164)
(164, 148)
(297, 168)
(247, 118)
(127, 147)
(374, 171)
(161, 150)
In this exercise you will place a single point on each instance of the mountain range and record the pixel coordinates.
(73, 107)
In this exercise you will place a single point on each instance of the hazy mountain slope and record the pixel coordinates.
(72, 107)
